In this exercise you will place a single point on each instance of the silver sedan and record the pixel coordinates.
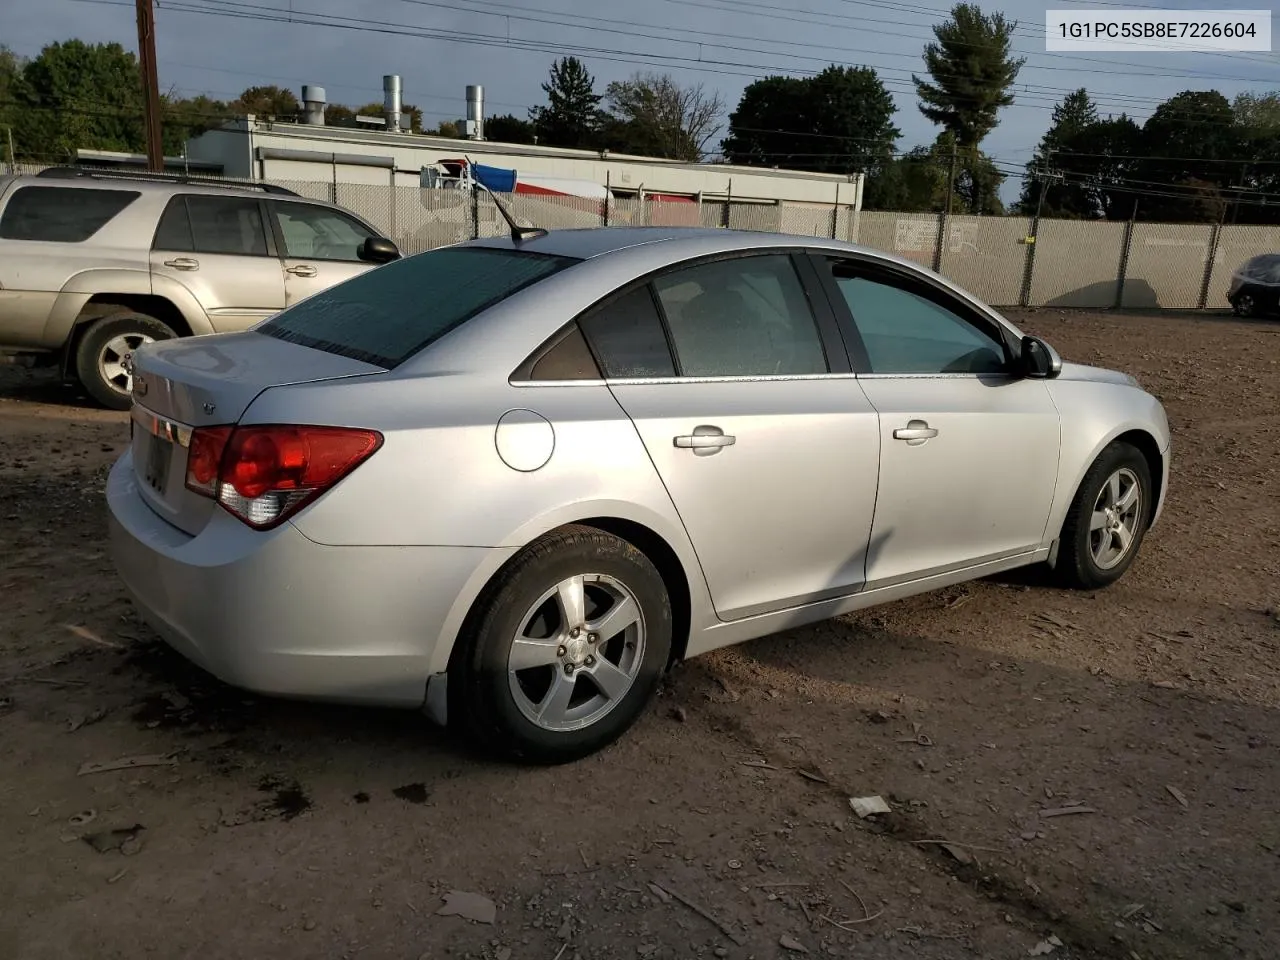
(511, 481)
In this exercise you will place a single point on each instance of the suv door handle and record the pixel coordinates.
(183, 263)
(302, 270)
(705, 440)
(915, 433)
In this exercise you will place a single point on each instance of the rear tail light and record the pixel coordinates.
(265, 474)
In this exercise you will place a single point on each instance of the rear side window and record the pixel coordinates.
(626, 334)
(61, 214)
(384, 316)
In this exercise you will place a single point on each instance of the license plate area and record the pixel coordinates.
(155, 464)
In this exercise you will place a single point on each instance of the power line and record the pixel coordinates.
(240, 10)
(746, 6)
(575, 23)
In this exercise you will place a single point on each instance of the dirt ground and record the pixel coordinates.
(721, 826)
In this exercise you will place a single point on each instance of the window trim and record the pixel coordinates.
(267, 234)
(825, 321)
(901, 278)
(278, 232)
(132, 195)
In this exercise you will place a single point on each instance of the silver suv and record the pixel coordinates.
(92, 265)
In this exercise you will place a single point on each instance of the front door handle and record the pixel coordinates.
(705, 440)
(183, 263)
(915, 433)
(302, 270)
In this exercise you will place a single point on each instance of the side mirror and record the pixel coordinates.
(378, 250)
(1039, 359)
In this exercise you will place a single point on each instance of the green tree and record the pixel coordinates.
(840, 121)
(77, 95)
(10, 76)
(187, 117)
(571, 117)
(1062, 198)
(972, 72)
(651, 115)
(266, 101)
(1258, 174)
(506, 128)
(1188, 147)
(1104, 157)
(1258, 113)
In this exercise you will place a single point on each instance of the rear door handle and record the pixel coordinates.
(915, 432)
(302, 270)
(183, 263)
(705, 440)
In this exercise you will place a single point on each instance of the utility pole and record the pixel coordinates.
(150, 84)
(951, 177)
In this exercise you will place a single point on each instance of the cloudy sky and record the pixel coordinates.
(219, 47)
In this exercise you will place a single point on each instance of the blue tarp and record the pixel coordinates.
(496, 179)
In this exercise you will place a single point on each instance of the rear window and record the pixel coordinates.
(384, 316)
(61, 214)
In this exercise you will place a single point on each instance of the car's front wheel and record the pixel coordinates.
(100, 355)
(563, 650)
(1245, 305)
(1107, 520)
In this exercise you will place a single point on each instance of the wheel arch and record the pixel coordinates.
(681, 580)
(102, 305)
(1140, 437)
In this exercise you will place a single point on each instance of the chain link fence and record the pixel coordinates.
(1006, 261)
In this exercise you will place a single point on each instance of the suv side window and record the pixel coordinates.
(627, 338)
(229, 225)
(741, 317)
(911, 329)
(174, 231)
(318, 233)
(61, 214)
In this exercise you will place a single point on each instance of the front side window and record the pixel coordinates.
(227, 225)
(318, 233)
(906, 332)
(741, 317)
(61, 214)
(385, 316)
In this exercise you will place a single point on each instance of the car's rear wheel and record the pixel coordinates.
(101, 352)
(1107, 520)
(563, 650)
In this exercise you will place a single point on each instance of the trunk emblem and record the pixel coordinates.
(209, 407)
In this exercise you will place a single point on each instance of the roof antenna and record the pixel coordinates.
(518, 232)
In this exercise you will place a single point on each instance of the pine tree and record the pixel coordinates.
(972, 73)
(1071, 118)
(571, 117)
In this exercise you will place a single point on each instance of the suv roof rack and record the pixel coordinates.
(71, 173)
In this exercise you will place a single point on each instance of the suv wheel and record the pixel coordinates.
(101, 352)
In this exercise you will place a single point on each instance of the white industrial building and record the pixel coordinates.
(380, 153)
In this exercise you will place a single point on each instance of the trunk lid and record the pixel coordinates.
(179, 385)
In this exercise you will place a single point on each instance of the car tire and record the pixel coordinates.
(1103, 530)
(1245, 305)
(555, 708)
(103, 345)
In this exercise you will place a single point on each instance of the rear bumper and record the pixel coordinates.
(279, 614)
